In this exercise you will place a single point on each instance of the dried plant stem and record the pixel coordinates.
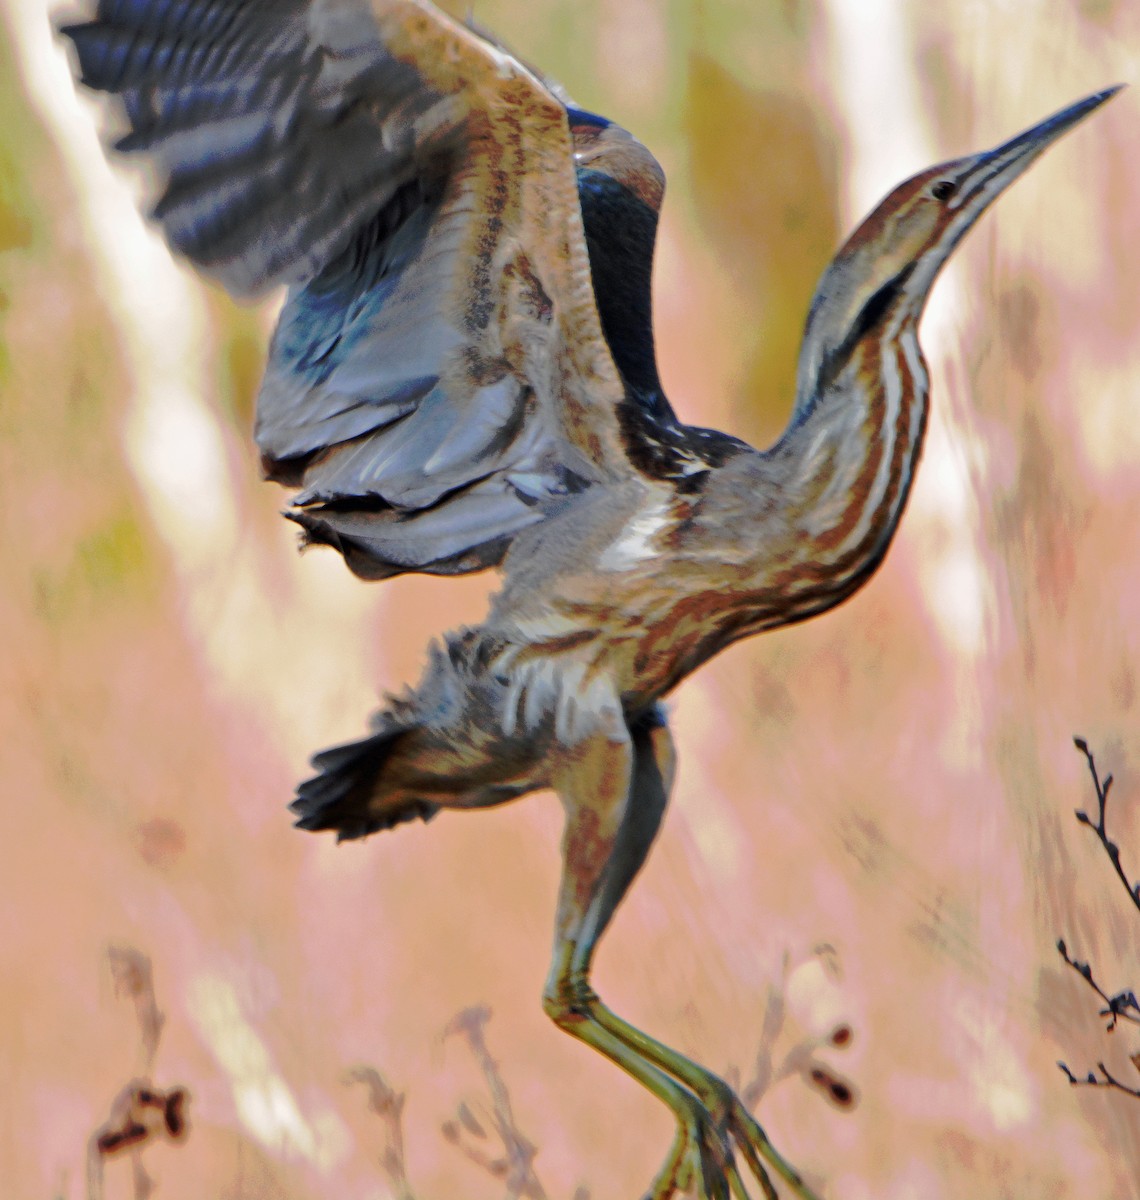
(388, 1105)
(801, 1057)
(517, 1165)
(140, 1112)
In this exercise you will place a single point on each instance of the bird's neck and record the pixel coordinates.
(840, 475)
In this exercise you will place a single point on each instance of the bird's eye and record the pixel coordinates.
(943, 189)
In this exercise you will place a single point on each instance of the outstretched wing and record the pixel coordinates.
(439, 378)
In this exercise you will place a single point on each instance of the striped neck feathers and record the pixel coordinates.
(849, 456)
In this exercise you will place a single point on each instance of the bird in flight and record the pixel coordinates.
(463, 377)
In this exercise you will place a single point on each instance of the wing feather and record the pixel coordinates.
(439, 378)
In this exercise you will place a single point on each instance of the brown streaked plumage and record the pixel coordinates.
(463, 377)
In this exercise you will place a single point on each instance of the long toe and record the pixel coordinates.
(757, 1150)
(677, 1176)
(719, 1108)
(719, 1172)
(701, 1163)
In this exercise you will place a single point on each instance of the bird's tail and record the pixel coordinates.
(347, 792)
(438, 745)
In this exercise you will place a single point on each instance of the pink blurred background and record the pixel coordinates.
(895, 781)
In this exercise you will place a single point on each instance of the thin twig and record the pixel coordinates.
(1099, 828)
(1107, 1080)
(1121, 1007)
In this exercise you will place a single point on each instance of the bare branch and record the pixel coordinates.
(1099, 828)
(1121, 1007)
(1105, 1080)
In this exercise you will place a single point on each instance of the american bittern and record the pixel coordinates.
(463, 377)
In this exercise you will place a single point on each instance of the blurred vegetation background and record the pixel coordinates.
(894, 782)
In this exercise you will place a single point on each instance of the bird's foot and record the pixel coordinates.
(714, 1126)
(716, 1134)
(701, 1163)
(740, 1132)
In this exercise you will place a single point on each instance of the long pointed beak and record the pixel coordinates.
(984, 177)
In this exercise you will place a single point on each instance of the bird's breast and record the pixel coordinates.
(644, 633)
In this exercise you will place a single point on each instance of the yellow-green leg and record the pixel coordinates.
(614, 800)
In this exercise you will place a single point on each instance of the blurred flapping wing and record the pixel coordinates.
(439, 379)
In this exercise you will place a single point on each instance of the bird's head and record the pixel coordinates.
(888, 265)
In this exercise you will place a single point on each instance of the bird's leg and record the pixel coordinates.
(614, 795)
(650, 774)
